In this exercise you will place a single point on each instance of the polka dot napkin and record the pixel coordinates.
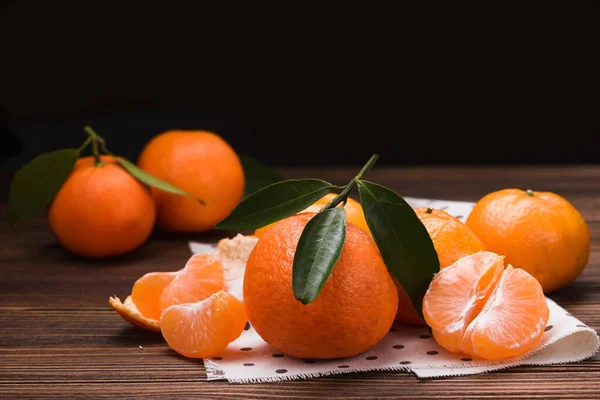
(249, 359)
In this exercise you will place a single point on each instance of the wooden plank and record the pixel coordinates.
(59, 338)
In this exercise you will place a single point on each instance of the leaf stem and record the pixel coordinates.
(367, 166)
(344, 194)
(84, 145)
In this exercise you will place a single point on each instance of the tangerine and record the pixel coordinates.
(202, 164)
(354, 310)
(101, 210)
(540, 232)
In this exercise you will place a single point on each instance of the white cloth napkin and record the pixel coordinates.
(250, 359)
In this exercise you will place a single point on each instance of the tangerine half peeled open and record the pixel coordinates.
(479, 307)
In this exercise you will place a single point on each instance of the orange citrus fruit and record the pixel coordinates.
(452, 240)
(478, 307)
(201, 277)
(203, 329)
(202, 164)
(354, 310)
(353, 210)
(540, 232)
(130, 313)
(101, 210)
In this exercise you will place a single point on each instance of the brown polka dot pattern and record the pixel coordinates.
(248, 364)
(246, 348)
(281, 371)
(425, 337)
(432, 352)
(398, 346)
(277, 355)
(370, 358)
(548, 328)
(405, 362)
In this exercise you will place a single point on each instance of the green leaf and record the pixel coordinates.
(257, 175)
(149, 179)
(402, 239)
(318, 250)
(36, 184)
(275, 202)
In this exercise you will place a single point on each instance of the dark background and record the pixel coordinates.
(309, 87)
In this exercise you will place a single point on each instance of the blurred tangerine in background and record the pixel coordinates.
(202, 164)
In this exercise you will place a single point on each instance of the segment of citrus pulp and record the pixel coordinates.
(512, 321)
(478, 307)
(147, 290)
(130, 313)
(201, 276)
(353, 210)
(204, 329)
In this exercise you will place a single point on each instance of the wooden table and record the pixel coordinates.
(59, 337)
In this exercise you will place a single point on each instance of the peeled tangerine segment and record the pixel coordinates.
(204, 329)
(201, 276)
(512, 321)
(478, 307)
(456, 295)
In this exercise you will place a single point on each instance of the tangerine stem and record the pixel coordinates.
(84, 145)
(95, 140)
(529, 192)
(344, 194)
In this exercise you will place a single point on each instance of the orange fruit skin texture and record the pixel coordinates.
(202, 164)
(204, 329)
(101, 211)
(452, 240)
(542, 234)
(479, 308)
(354, 310)
(353, 210)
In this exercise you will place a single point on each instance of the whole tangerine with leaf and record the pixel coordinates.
(318, 286)
(540, 232)
(452, 240)
(97, 206)
(201, 163)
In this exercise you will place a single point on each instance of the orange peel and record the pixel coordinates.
(130, 313)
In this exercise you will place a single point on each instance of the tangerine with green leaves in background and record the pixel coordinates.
(204, 165)
(101, 210)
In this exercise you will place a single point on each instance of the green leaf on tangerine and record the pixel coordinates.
(149, 179)
(257, 175)
(318, 250)
(36, 184)
(402, 239)
(274, 202)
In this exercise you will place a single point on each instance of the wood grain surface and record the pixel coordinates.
(60, 339)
